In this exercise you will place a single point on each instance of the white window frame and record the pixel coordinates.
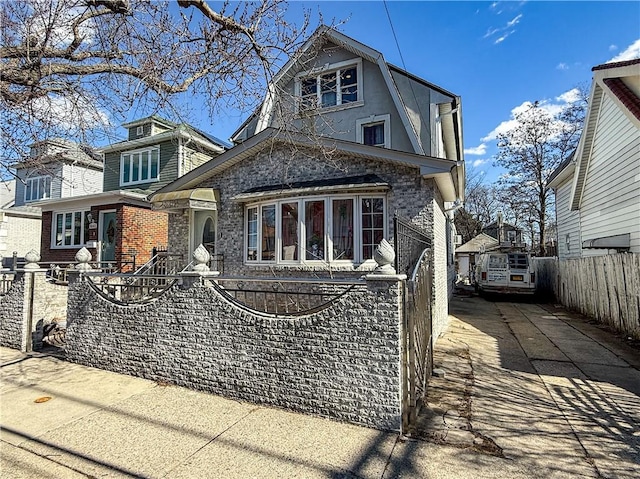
(139, 130)
(328, 229)
(371, 121)
(38, 180)
(54, 228)
(140, 151)
(324, 70)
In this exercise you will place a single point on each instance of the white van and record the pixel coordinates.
(507, 273)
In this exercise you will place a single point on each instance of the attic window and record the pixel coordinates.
(335, 85)
(139, 130)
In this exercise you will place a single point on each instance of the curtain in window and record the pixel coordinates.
(342, 229)
(374, 135)
(252, 234)
(269, 233)
(314, 230)
(290, 231)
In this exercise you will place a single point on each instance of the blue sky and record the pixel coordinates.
(494, 55)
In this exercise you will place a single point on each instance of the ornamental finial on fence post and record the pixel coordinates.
(32, 258)
(384, 255)
(201, 259)
(83, 256)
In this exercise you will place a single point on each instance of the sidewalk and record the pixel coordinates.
(526, 393)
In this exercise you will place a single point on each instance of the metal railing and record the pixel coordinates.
(409, 241)
(417, 338)
(283, 297)
(126, 289)
(6, 281)
(162, 263)
(57, 269)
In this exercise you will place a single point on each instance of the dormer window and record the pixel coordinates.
(333, 85)
(140, 130)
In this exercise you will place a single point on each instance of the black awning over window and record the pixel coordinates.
(351, 183)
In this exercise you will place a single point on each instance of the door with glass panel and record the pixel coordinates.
(108, 236)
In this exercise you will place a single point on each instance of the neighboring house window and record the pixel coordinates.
(37, 188)
(374, 130)
(511, 236)
(70, 228)
(140, 166)
(334, 228)
(139, 130)
(337, 84)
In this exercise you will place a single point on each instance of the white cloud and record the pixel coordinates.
(570, 96)
(551, 107)
(562, 66)
(478, 150)
(632, 51)
(613, 48)
(515, 21)
(491, 32)
(70, 114)
(477, 163)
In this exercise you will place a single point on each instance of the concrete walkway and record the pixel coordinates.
(528, 392)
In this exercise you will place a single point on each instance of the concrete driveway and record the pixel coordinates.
(538, 387)
(529, 391)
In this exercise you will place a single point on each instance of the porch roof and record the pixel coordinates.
(176, 201)
(351, 184)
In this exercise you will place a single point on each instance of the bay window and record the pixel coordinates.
(336, 228)
(140, 166)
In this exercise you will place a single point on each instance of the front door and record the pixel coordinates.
(108, 238)
(204, 231)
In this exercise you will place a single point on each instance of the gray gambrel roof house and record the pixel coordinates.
(424, 121)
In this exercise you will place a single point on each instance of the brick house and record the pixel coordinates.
(55, 169)
(118, 224)
(317, 174)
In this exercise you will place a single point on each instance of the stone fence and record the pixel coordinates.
(29, 302)
(342, 362)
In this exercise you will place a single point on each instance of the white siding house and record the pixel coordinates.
(567, 220)
(598, 191)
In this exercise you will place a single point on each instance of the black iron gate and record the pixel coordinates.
(414, 258)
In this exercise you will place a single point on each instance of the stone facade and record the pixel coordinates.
(31, 301)
(343, 362)
(12, 314)
(410, 196)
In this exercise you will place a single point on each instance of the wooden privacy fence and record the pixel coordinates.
(606, 288)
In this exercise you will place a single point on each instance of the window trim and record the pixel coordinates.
(371, 121)
(324, 70)
(139, 151)
(30, 179)
(302, 240)
(83, 227)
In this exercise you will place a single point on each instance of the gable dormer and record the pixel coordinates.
(146, 127)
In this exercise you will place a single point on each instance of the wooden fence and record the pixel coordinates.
(606, 288)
